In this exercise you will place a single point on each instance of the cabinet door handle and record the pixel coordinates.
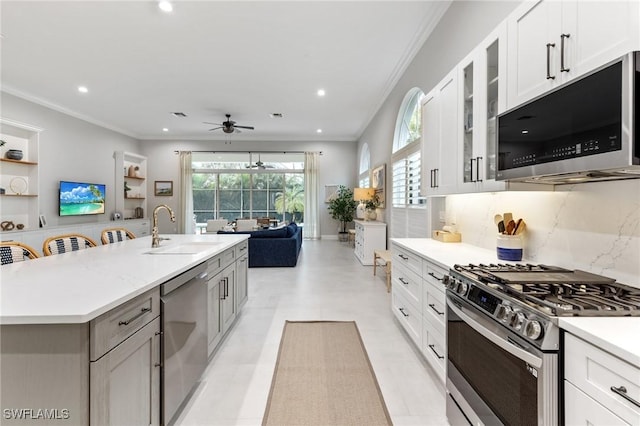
(403, 312)
(403, 257)
(135, 317)
(435, 352)
(622, 391)
(403, 281)
(433, 306)
(221, 289)
(478, 159)
(562, 38)
(226, 287)
(549, 46)
(434, 276)
(471, 161)
(435, 175)
(431, 179)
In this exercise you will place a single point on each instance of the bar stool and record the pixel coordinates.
(115, 235)
(67, 242)
(12, 252)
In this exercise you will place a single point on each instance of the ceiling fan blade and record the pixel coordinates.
(207, 122)
(215, 128)
(244, 127)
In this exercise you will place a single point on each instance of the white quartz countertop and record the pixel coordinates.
(79, 286)
(619, 336)
(448, 254)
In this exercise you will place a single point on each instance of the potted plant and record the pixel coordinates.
(343, 208)
(370, 206)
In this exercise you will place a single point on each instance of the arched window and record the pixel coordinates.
(409, 122)
(365, 166)
(408, 206)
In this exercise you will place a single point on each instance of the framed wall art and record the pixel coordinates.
(378, 182)
(330, 192)
(163, 188)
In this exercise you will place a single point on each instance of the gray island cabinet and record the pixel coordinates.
(80, 333)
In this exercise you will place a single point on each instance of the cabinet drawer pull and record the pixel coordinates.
(622, 391)
(433, 306)
(157, 364)
(403, 312)
(403, 281)
(434, 276)
(435, 352)
(549, 46)
(562, 37)
(135, 317)
(403, 257)
(478, 169)
(471, 161)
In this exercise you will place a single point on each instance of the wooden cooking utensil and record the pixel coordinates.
(510, 227)
(501, 227)
(518, 223)
(507, 217)
(521, 227)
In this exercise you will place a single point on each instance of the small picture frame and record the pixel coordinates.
(43, 221)
(163, 188)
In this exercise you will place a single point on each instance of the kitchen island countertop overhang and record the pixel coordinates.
(79, 286)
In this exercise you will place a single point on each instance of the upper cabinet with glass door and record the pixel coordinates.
(552, 42)
(482, 97)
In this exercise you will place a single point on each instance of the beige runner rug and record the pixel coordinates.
(323, 377)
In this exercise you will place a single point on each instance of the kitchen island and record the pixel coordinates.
(80, 332)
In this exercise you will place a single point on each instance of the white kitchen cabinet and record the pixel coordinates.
(418, 302)
(608, 385)
(481, 98)
(130, 169)
(19, 178)
(125, 382)
(552, 42)
(370, 236)
(440, 138)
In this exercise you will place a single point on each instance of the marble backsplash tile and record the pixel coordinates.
(591, 226)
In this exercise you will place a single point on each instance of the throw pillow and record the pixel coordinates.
(291, 229)
(270, 233)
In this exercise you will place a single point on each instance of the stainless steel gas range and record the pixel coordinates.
(503, 340)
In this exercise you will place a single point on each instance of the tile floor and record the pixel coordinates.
(328, 284)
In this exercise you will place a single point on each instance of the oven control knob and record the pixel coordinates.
(533, 330)
(517, 319)
(462, 288)
(453, 283)
(503, 312)
(445, 280)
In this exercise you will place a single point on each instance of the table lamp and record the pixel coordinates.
(361, 195)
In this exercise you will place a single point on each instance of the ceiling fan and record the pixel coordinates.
(228, 126)
(259, 165)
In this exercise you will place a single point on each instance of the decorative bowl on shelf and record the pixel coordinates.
(14, 154)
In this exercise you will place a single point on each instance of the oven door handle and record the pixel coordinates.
(490, 335)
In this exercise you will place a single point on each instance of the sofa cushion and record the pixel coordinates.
(270, 233)
(291, 229)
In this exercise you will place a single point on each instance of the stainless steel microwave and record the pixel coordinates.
(583, 131)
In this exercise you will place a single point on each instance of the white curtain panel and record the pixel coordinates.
(311, 229)
(187, 224)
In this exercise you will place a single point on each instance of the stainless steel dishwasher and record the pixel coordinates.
(184, 338)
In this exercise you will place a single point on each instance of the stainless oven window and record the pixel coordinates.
(507, 384)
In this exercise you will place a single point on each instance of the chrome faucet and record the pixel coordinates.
(155, 239)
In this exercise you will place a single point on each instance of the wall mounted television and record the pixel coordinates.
(80, 198)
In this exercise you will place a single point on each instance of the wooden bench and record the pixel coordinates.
(385, 257)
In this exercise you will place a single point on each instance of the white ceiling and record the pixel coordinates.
(208, 58)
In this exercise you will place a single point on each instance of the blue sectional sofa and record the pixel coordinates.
(273, 247)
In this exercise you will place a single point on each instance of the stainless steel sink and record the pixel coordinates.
(192, 248)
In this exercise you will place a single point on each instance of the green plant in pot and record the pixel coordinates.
(343, 208)
(371, 205)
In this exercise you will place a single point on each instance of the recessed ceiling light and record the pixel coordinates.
(319, 131)
(164, 129)
(165, 6)
(524, 132)
(83, 89)
(321, 92)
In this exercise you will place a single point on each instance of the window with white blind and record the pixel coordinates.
(365, 166)
(408, 213)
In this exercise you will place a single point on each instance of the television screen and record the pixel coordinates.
(78, 198)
